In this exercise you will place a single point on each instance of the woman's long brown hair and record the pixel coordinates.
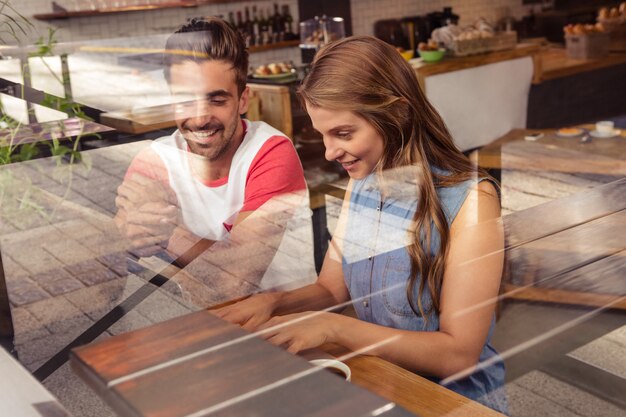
(364, 75)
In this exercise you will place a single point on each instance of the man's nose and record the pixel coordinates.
(200, 113)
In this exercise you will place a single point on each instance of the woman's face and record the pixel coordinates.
(349, 139)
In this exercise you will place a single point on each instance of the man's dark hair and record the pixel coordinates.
(208, 39)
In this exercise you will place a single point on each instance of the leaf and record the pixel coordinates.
(60, 150)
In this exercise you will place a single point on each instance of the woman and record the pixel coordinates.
(418, 247)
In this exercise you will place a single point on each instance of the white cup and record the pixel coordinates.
(334, 366)
(605, 126)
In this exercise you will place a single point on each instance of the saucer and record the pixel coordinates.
(597, 134)
(568, 132)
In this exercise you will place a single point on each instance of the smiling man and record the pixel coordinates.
(193, 188)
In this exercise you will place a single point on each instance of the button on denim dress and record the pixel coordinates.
(376, 268)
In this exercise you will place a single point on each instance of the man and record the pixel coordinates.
(188, 190)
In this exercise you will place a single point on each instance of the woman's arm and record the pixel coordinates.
(469, 290)
(328, 291)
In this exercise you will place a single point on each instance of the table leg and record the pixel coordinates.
(321, 236)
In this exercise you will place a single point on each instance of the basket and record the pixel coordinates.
(617, 29)
(587, 46)
(498, 42)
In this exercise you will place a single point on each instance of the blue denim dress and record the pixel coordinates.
(376, 267)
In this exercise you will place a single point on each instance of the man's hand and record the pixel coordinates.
(147, 214)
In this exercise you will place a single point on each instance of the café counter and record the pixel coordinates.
(480, 97)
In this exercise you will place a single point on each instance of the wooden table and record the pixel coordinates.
(605, 156)
(570, 250)
(198, 362)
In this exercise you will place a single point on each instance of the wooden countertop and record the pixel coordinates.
(556, 64)
(550, 62)
(449, 64)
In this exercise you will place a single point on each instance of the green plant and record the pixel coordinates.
(20, 200)
(12, 23)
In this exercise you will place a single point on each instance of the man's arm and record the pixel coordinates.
(147, 207)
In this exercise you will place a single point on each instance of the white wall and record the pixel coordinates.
(122, 25)
(147, 22)
(364, 14)
(142, 23)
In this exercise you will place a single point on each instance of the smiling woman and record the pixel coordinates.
(418, 247)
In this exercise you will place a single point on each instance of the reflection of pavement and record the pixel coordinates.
(66, 266)
(64, 263)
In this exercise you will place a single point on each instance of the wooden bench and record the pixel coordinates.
(571, 250)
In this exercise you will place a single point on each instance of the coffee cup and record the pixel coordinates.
(605, 127)
(332, 365)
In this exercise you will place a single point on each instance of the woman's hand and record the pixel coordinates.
(301, 331)
(251, 312)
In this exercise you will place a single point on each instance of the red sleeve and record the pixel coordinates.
(148, 164)
(276, 169)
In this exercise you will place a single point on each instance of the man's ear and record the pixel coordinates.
(244, 101)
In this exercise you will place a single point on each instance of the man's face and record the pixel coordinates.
(207, 106)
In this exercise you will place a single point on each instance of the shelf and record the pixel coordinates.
(61, 13)
(277, 45)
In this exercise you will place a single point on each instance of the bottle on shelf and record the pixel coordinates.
(270, 26)
(278, 25)
(247, 25)
(256, 32)
(241, 27)
(231, 20)
(288, 22)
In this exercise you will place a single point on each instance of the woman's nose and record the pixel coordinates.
(332, 151)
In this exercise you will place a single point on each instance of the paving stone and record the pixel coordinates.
(606, 353)
(51, 275)
(91, 272)
(104, 243)
(240, 278)
(77, 228)
(618, 336)
(67, 250)
(131, 321)
(58, 314)
(117, 262)
(33, 258)
(97, 300)
(525, 403)
(567, 396)
(26, 326)
(62, 286)
(11, 268)
(78, 398)
(193, 292)
(22, 291)
(6, 227)
(158, 307)
(287, 272)
(34, 352)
